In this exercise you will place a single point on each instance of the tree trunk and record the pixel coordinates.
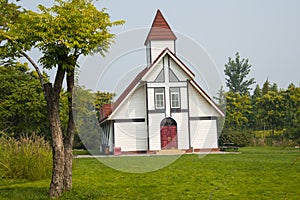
(68, 140)
(52, 97)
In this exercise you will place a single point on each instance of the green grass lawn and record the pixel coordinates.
(256, 173)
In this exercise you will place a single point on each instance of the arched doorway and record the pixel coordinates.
(168, 133)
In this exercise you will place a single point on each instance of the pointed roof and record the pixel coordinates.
(160, 29)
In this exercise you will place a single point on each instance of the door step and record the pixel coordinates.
(170, 152)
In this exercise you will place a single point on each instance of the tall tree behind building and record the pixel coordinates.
(237, 71)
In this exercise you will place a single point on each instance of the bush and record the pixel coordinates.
(25, 158)
(240, 138)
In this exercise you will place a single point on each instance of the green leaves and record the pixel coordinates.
(68, 28)
(22, 103)
(236, 71)
(238, 109)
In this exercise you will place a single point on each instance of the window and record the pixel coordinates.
(159, 98)
(175, 97)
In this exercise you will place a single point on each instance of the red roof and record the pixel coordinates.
(160, 29)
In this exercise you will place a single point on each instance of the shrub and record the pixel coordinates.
(240, 138)
(25, 158)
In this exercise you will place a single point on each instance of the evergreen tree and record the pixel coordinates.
(221, 98)
(257, 92)
(236, 71)
(274, 87)
(266, 87)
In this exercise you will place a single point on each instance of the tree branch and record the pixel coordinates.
(35, 67)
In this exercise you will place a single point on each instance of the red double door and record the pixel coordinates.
(168, 137)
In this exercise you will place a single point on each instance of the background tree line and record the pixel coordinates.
(23, 108)
(267, 116)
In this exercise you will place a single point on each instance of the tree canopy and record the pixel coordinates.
(22, 103)
(236, 71)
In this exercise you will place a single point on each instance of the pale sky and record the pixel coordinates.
(267, 32)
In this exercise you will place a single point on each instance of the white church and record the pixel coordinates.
(163, 108)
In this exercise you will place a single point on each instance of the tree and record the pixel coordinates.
(61, 33)
(22, 103)
(292, 111)
(274, 87)
(255, 122)
(86, 120)
(271, 110)
(221, 98)
(238, 109)
(257, 92)
(236, 71)
(266, 87)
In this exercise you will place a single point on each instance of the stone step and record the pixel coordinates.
(170, 152)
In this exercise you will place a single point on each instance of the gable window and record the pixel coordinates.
(159, 98)
(175, 97)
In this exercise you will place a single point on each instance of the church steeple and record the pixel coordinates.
(159, 37)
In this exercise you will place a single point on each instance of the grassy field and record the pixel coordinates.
(256, 173)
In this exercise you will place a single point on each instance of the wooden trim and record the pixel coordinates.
(170, 70)
(150, 52)
(147, 114)
(204, 118)
(189, 117)
(157, 111)
(178, 86)
(129, 120)
(178, 110)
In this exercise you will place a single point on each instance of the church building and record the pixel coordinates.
(163, 108)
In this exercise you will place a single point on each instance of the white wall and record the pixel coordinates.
(133, 107)
(154, 130)
(157, 46)
(198, 105)
(181, 75)
(131, 136)
(183, 100)
(154, 72)
(182, 129)
(204, 134)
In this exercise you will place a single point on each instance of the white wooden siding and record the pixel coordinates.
(133, 107)
(154, 72)
(151, 105)
(157, 46)
(199, 106)
(154, 130)
(203, 134)
(183, 100)
(181, 75)
(148, 51)
(131, 136)
(182, 129)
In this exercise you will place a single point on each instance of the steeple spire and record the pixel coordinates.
(159, 37)
(160, 29)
